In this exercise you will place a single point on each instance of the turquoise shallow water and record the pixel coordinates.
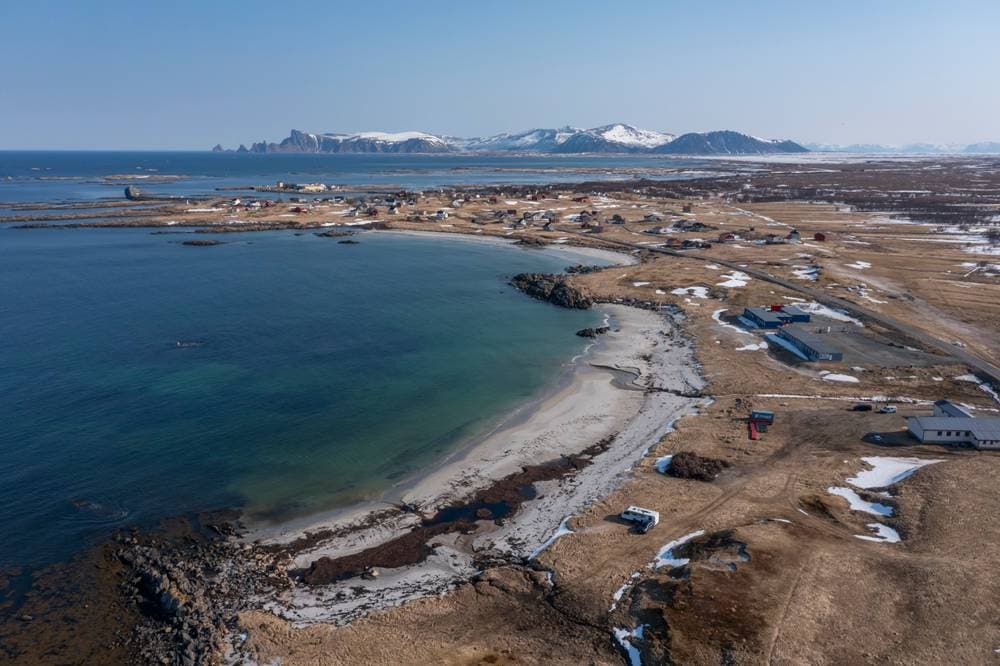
(322, 373)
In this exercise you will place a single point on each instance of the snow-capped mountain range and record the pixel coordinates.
(614, 138)
(981, 148)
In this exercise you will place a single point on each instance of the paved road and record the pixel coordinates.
(982, 367)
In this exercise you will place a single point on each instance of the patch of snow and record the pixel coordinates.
(620, 592)
(697, 292)
(665, 557)
(822, 310)
(632, 136)
(887, 470)
(562, 530)
(663, 463)
(831, 377)
(810, 273)
(624, 638)
(397, 137)
(883, 534)
(717, 316)
(859, 265)
(734, 279)
(753, 347)
(639, 284)
(858, 504)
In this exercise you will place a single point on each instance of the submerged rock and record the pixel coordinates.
(551, 288)
(202, 242)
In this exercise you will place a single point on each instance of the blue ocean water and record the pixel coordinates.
(312, 374)
(28, 176)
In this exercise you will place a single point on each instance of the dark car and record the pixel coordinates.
(861, 407)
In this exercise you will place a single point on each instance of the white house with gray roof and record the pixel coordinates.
(952, 424)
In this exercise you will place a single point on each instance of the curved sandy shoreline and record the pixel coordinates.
(594, 405)
(423, 487)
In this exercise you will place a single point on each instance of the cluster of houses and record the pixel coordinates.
(305, 188)
(249, 204)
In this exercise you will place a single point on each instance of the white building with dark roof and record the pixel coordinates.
(951, 424)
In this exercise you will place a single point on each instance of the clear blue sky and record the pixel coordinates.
(109, 74)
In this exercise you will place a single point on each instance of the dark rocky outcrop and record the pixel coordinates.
(686, 465)
(132, 193)
(202, 242)
(593, 332)
(580, 269)
(551, 288)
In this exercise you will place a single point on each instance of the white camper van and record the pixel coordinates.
(644, 519)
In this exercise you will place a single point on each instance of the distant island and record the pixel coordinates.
(615, 138)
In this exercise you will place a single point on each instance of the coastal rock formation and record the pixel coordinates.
(191, 588)
(593, 332)
(530, 241)
(551, 288)
(685, 465)
(132, 193)
(202, 242)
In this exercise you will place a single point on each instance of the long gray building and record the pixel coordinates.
(951, 424)
(812, 345)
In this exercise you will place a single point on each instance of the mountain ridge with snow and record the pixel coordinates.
(616, 138)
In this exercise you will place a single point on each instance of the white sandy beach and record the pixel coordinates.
(643, 351)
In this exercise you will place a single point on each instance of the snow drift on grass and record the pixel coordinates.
(753, 347)
(665, 557)
(883, 534)
(886, 471)
(617, 596)
(734, 279)
(717, 316)
(858, 504)
(624, 638)
(833, 377)
(810, 273)
(697, 292)
(822, 310)
(562, 530)
(663, 463)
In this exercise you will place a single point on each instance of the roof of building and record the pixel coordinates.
(765, 314)
(812, 340)
(792, 310)
(984, 428)
(951, 409)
